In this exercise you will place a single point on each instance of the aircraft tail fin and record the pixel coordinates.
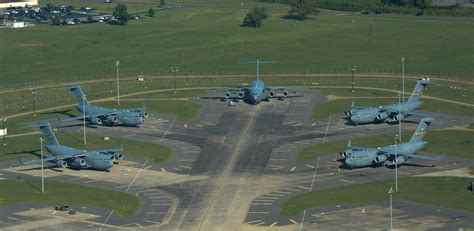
(420, 131)
(80, 96)
(420, 86)
(353, 104)
(349, 144)
(48, 133)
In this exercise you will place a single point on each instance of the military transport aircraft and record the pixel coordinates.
(391, 155)
(389, 113)
(257, 91)
(64, 156)
(106, 116)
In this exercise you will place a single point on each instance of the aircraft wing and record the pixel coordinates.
(110, 150)
(87, 117)
(410, 155)
(230, 90)
(280, 92)
(395, 111)
(53, 158)
(229, 93)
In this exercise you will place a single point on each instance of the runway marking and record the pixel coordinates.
(261, 223)
(293, 169)
(262, 203)
(13, 218)
(210, 124)
(309, 166)
(250, 222)
(167, 130)
(163, 170)
(199, 125)
(293, 221)
(187, 167)
(291, 122)
(279, 159)
(275, 194)
(347, 181)
(139, 171)
(303, 187)
(259, 212)
(401, 216)
(264, 200)
(105, 222)
(274, 223)
(314, 176)
(153, 213)
(327, 128)
(270, 198)
(154, 222)
(298, 124)
(160, 197)
(293, 189)
(302, 219)
(121, 186)
(288, 193)
(160, 204)
(90, 181)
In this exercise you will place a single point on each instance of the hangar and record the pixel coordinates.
(17, 3)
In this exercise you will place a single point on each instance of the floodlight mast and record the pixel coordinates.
(258, 62)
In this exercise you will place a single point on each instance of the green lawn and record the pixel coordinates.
(26, 147)
(60, 193)
(450, 142)
(450, 192)
(211, 41)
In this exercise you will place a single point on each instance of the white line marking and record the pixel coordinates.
(250, 222)
(12, 218)
(302, 219)
(259, 212)
(293, 221)
(303, 187)
(274, 223)
(90, 181)
(167, 131)
(160, 204)
(348, 181)
(314, 176)
(139, 171)
(327, 128)
(105, 222)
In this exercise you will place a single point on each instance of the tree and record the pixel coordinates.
(255, 17)
(121, 14)
(151, 12)
(302, 9)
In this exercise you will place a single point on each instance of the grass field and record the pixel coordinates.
(450, 192)
(211, 41)
(450, 142)
(28, 147)
(61, 193)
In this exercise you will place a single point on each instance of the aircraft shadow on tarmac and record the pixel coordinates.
(350, 123)
(61, 112)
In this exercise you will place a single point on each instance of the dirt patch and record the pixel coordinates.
(460, 172)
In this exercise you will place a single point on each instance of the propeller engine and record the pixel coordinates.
(241, 95)
(96, 120)
(226, 95)
(61, 163)
(271, 94)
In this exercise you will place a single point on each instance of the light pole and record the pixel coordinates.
(84, 117)
(175, 70)
(33, 93)
(353, 70)
(42, 170)
(118, 82)
(403, 78)
(390, 192)
(4, 131)
(396, 163)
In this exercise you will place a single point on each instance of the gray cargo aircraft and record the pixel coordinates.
(389, 113)
(355, 157)
(64, 156)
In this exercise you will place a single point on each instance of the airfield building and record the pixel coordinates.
(17, 3)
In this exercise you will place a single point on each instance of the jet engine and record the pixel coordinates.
(285, 93)
(271, 94)
(382, 116)
(380, 159)
(145, 114)
(345, 153)
(96, 120)
(61, 163)
(112, 118)
(348, 113)
(241, 95)
(118, 156)
(226, 95)
(80, 162)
